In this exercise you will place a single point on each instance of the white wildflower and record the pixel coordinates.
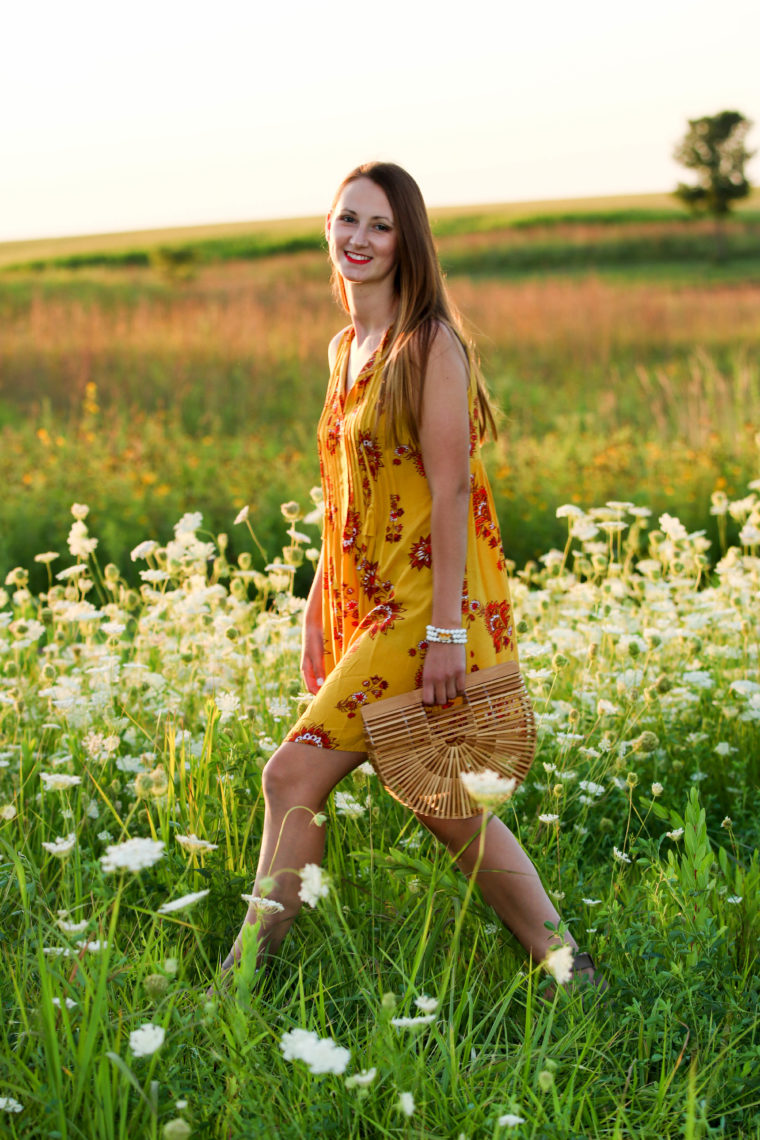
(72, 927)
(621, 855)
(361, 1080)
(559, 963)
(406, 1103)
(8, 811)
(58, 781)
(93, 947)
(80, 511)
(314, 884)
(591, 902)
(590, 787)
(60, 846)
(488, 786)
(345, 804)
(510, 1120)
(228, 704)
(68, 1002)
(673, 528)
(321, 1054)
(657, 789)
(193, 843)
(189, 523)
(132, 855)
(734, 899)
(569, 511)
(80, 544)
(143, 549)
(426, 1004)
(153, 576)
(241, 516)
(263, 906)
(676, 834)
(413, 1022)
(548, 817)
(8, 1104)
(744, 687)
(182, 903)
(146, 1040)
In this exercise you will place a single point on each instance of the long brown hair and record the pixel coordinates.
(424, 305)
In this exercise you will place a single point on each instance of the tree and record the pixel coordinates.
(714, 148)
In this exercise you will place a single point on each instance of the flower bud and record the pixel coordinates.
(156, 986)
(177, 1129)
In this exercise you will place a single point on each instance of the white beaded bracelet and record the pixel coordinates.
(446, 636)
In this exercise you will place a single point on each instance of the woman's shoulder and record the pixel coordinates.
(447, 348)
(335, 343)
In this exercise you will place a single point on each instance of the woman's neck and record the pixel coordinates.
(371, 311)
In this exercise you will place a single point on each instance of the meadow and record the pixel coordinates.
(135, 725)
(155, 430)
(148, 395)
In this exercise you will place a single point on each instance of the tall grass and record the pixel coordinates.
(147, 399)
(647, 776)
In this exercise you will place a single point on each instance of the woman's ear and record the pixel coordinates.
(328, 220)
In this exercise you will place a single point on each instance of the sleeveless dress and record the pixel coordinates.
(377, 585)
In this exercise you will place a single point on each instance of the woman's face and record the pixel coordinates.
(361, 233)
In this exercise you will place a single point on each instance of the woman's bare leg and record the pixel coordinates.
(296, 783)
(506, 877)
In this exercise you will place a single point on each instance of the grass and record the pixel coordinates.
(148, 399)
(128, 702)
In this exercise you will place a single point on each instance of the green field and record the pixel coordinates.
(140, 697)
(619, 373)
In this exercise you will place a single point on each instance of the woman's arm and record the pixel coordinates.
(445, 447)
(312, 635)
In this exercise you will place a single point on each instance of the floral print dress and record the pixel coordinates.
(377, 586)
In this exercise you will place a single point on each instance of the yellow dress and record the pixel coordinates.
(377, 588)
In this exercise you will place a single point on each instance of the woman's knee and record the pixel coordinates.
(286, 781)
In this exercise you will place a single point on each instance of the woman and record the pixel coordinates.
(411, 550)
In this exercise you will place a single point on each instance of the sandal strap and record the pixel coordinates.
(583, 961)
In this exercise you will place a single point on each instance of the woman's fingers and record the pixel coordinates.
(443, 675)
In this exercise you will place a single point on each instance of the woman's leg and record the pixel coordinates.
(296, 783)
(506, 877)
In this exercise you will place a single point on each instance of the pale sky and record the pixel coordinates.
(162, 113)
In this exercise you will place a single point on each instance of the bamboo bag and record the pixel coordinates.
(419, 751)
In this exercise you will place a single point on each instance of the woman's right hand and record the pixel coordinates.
(312, 657)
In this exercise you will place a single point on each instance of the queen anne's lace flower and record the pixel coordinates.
(413, 1022)
(182, 903)
(406, 1103)
(146, 1040)
(488, 787)
(193, 843)
(58, 781)
(314, 884)
(262, 905)
(321, 1054)
(61, 847)
(132, 855)
(559, 963)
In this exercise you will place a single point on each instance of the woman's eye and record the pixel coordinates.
(382, 226)
(346, 218)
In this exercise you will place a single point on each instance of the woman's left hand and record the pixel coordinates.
(443, 673)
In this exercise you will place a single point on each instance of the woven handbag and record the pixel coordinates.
(419, 751)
